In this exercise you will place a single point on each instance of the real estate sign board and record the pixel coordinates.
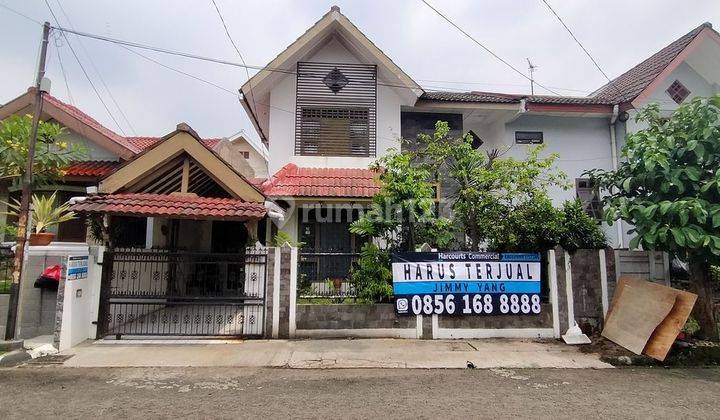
(466, 283)
(77, 267)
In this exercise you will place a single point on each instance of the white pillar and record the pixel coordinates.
(603, 282)
(569, 291)
(276, 294)
(293, 291)
(149, 230)
(552, 277)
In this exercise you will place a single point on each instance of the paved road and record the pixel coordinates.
(37, 392)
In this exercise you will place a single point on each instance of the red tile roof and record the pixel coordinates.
(630, 84)
(178, 206)
(145, 142)
(91, 122)
(135, 144)
(321, 182)
(92, 168)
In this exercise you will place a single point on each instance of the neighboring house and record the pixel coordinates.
(106, 153)
(256, 155)
(332, 102)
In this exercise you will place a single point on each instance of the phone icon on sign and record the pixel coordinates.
(401, 305)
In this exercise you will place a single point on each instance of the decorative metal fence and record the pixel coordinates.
(326, 275)
(6, 268)
(158, 292)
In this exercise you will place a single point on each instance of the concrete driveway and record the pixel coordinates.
(338, 353)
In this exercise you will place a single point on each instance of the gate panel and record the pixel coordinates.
(163, 293)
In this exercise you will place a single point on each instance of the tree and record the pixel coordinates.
(403, 213)
(668, 188)
(51, 155)
(499, 202)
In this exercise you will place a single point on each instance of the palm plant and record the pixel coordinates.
(44, 212)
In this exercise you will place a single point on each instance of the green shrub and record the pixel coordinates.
(579, 230)
(283, 237)
(371, 275)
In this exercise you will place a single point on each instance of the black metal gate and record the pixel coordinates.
(168, 293)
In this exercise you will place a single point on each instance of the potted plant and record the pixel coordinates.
(44, 214)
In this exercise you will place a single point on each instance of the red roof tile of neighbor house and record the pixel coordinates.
(91, 122)
(293, 181)
(179, 206)
(136, 144)
(630, 84)
(92, 168)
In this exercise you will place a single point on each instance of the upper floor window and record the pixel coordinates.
(528, 137)
(678, 92)
(333, 132)
(336, 109)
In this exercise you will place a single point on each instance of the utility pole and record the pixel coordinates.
(27, 180)
(531, 70)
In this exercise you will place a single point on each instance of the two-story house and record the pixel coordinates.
(332, 102)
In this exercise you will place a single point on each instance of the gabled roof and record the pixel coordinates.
(75, 120)
(64, 113)
(629, 85)
(183, 141)
(292, 181)
(333, 19)
(255, 98)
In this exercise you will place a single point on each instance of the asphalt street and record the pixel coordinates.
(49, 391)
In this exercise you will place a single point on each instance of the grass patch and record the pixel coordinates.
(5, 287)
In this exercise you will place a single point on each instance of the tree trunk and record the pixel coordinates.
(704, 310)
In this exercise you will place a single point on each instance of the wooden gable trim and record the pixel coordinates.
(174, 146)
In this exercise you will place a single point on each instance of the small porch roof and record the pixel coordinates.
(293, 181)
(185, 206)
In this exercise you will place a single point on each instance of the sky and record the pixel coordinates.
(148, 99)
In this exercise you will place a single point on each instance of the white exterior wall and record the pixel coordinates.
(581, 143)
(282, 119)
(695, 83)
(93, 151)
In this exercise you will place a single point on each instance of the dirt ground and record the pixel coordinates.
(38, 392)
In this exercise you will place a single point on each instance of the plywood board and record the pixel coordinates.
(638, 308)
(665, 334)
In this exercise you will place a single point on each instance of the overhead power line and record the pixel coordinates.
(92, 64)
(198, 57)
(562, 22)
(87, 76)
(10, 9)
(488, 50)
(232, 41)
(62, 70)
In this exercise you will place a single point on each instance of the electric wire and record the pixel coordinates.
(87, 76)
(92, 64)
(562, 22)
(488, 50)
(62, 70)
(232, 41)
